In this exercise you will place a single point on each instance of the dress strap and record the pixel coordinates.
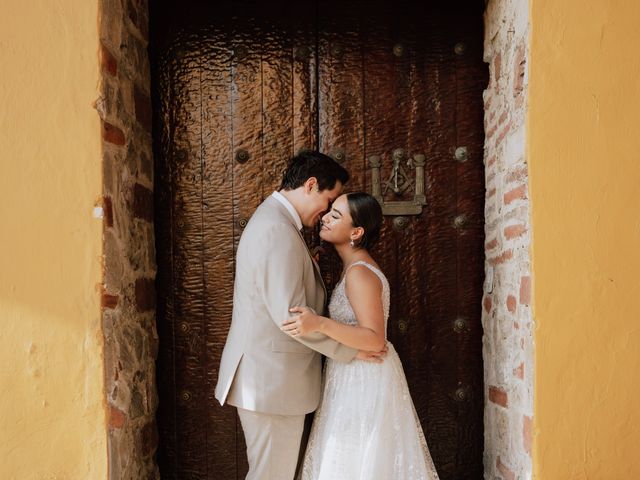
(360, 262)
(375, 270)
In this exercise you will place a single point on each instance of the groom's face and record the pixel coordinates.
(317, 203)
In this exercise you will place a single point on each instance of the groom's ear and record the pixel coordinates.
(311, 185)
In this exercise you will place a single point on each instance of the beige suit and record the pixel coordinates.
(262, 369)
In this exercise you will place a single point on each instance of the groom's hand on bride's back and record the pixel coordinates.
(374, 357)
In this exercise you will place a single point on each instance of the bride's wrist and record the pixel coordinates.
(322, 322)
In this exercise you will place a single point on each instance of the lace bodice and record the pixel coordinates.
(339, 306)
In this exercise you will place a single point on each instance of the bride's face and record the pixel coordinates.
(336, 224)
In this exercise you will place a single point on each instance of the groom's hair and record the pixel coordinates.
(309, 164)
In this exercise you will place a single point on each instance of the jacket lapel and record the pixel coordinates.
(281, 208)
(315, 264)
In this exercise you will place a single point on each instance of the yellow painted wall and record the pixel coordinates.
(584, 155)
(52, 414)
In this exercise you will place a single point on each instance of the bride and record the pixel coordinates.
(366, 427)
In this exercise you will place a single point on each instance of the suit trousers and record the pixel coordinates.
(273, 444)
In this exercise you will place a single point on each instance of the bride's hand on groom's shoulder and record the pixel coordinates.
(304, 322)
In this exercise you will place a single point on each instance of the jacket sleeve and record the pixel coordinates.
(280, 280)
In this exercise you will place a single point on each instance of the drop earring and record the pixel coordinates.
(352, 243)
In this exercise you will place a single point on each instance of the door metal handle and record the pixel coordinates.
(399, 182)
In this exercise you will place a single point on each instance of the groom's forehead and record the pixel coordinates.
(336, 191)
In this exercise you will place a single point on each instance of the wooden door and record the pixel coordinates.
(238, 89)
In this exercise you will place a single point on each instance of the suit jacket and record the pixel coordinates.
(262, 368)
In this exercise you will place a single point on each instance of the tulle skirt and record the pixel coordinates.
(366, 427)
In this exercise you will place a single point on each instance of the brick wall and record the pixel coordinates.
(128, 296)
(506, 316)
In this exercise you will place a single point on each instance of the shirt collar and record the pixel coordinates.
(287, 204)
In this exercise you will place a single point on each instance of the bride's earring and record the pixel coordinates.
(352, 243)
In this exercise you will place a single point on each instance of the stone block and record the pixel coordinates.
(143, 108)
(112, 134)
(142, 202)
(108, 61)
(107, 207)
(525, 290)
(498, 396)
(117, 417)
(145, 294)
(109, 301)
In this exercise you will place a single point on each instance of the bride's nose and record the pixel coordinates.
(324, 218)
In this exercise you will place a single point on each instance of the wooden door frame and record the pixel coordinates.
(128, 290)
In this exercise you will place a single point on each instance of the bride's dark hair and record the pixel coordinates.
(366, 213)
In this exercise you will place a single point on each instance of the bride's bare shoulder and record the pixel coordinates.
(361, 275)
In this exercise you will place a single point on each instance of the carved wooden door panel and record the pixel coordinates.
(239, 89)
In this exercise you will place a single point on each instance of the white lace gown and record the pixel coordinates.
(366, 426)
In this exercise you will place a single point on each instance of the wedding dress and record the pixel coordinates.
(366, 426)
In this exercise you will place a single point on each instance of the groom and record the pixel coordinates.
(272, 378)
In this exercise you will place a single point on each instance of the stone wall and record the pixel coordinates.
(128, 296)
(506, 317)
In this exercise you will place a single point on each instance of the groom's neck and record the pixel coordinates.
(293, 196)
